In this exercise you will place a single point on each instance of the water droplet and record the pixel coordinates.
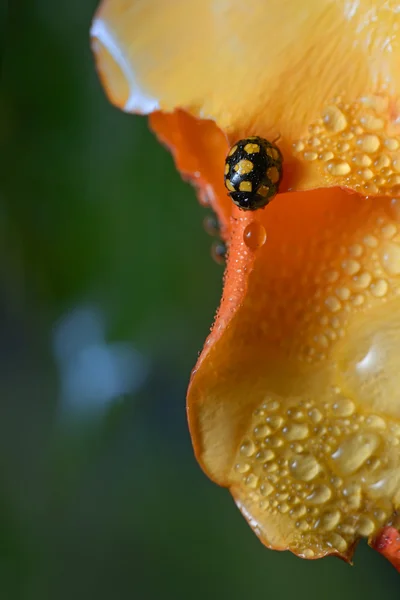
(254, 235)
(365, 526)
(379, 288)
(372, 123)
(266, 489)
(247, 448)
(361, 281)
(304, 467)
(310, 155)
(265, 455)
(298, 511)
(390, 258)
(329, 520)
(271, 406)
(333, 303)
(275, 442)
(369, 143)
(375, 422)
(351, 267)
(343, 407)
(308, 553)
(218, 252)
(338, 168)
(336, 542)
(352, 493)
(391, 144)
(261, 431)
(343, 293)
(320, 495)
(357, 300)
(362, 160)
(389, 230)
(382, 162)
(211, 225)
(251, 481)
(283, 507)
(370, 241)
(315, 415)
(326, 156)
(297, 431)
(242, 467)
(298, 146)
(275, 421)
(353, 452)
(334, 119)
(356, 250)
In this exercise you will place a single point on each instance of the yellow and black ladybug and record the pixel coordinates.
(253, 171)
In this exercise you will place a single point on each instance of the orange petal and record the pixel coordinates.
(322, 75)
(387, 542)
(293, 404)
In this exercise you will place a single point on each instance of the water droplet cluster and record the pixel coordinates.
(351, 145)
(364, 271)
(330, 472)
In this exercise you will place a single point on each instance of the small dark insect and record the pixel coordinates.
(253, 171)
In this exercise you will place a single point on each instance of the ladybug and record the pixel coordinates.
(253, 171)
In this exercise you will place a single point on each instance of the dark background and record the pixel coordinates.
(107, 290)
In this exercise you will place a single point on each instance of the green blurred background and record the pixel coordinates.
(107, 290)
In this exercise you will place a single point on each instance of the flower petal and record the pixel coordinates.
(293, 404)
(321, 75)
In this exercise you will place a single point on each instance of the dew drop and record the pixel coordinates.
(336, 542)
(320, 495)
(343, 407)
(333, 304)
(275, 421)
(379, 288)
(368, 143)
(271, 405)
(338, 167)
(304, 467)
(297, 431)
(242, 467)
(382, 162)
(265, 455)
(362, 281)
(247, 448)
(370, 241)
(298, 146)
(343, 293)
(308, 553)
(211, 225)
(218, 252)
(391, 144)
(310, 156)
(266, 489)
(334, 119)
(254, 235)
(329, 520)
(353, 452)
(375, 422)
(315, 415)
(372, 123)
(365, 526)
(251, 481)
(261, 431)
(351, 267)
(298, 511)
(362, 160)
(389, 231)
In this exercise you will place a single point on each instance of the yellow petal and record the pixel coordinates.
(322, 75)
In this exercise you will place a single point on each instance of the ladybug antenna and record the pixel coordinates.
(278, 137)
